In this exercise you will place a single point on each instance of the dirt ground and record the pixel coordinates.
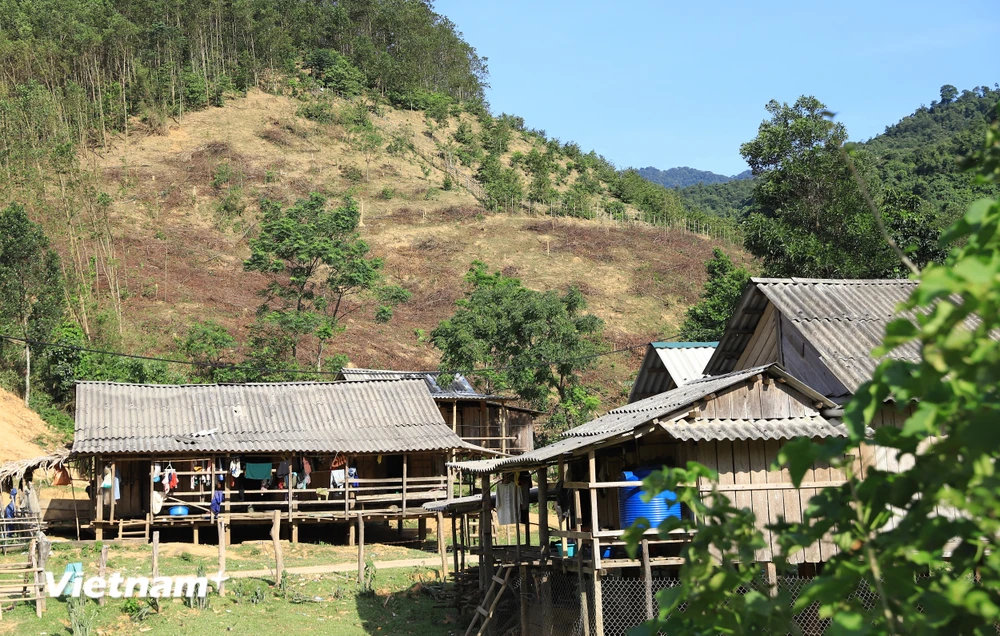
(24, 434)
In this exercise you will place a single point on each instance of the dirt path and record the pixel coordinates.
(428, 562)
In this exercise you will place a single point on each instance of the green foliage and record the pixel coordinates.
(400, 143)
(657, 204)
(683, 177)
(578, 407)
(317, 110)
(810, 217)
(31, 296)
(517, 339)
(82, 616)
(335, 71)
(208, 344)
(317, 263)
(447, 184)
(502, 185)
(136, 610)
(706, 320)
(366, 587)
(941, 554)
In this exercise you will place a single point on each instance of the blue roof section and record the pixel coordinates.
(683, 345)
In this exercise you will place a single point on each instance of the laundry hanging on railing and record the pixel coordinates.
(508, 503)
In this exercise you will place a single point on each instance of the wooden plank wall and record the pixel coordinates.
(743, 463)
(763, 345)
(801, 359)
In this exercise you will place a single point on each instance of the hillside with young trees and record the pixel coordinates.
(267, 191)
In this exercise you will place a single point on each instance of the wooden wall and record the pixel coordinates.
(762, 347)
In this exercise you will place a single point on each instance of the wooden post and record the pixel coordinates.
(561, 477)
(592, 471)
(37, 575)
(152, 487)
(584, 612)
(76, 513)
(545, 583)
(543, 513)
(647, 578)
(222, 557)
(111, 516)
(454, 417)
(598, 602)
(291, 499)
(486, 535)
(279, 561)
(524, 599)
(483, 424)
(402, 514)
(347, 486)
(156, 553)
(195, 534)
(102, 565)
(454, 542)
(361, 548)
(772, 578)
(442, 548)
(351, 534)
(502, 409)
(225, 484)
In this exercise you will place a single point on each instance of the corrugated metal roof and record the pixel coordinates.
(686, 363)
(843, 319)
(460, 387)
(727, 429)
(626, 419)
(356, 417)
(670, 364)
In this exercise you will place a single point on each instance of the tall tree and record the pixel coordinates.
(31, 291)
(706, 321)
(319, 268)
(519, 339)
(810, 217)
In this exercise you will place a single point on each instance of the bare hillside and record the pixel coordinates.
(184, 203)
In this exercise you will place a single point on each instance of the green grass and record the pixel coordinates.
(403, 601)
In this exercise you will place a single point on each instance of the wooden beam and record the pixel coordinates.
(524, 599)
(156, 553)
(454, 542)
(543, 513)
(111, 517)
(222, 557)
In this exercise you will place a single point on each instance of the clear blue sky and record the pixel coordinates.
(670, 84)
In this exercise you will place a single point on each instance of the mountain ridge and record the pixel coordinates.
(684, 176)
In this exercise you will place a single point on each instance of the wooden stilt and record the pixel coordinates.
(361, 549)
(156, 553)
(222, 557)
(524, 599)
(647, 578)
(442, 548)
(279, 560)
(102, 567)
(454, 542)
(196, 535)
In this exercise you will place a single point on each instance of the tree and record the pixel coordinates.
(942, 552)
(517, 339)
(948, 93)
(31, 291)
(809, 216)
(706, 321)
(366, 139)
(208, 344)
(316, 262)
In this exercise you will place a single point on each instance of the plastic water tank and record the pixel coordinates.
(631, 506)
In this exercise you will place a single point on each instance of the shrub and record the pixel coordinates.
(387, 193)
(353, 174)
(447, 184)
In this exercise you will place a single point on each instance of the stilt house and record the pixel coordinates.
(319, 453)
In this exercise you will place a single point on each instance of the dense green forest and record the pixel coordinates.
(918, 155)
(683, 177)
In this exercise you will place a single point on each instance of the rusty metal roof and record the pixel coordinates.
(386, 416)
(843, 319)
(670, 364)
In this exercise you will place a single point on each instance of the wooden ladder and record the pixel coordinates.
(491, 599)
(133, 530)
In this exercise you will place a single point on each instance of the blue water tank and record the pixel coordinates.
(631, 506)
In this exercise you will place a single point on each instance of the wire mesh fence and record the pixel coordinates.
(624, 604)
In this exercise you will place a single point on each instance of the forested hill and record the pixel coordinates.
(919, 155)
(684, 176)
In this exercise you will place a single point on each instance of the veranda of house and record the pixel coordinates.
(313, 453)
